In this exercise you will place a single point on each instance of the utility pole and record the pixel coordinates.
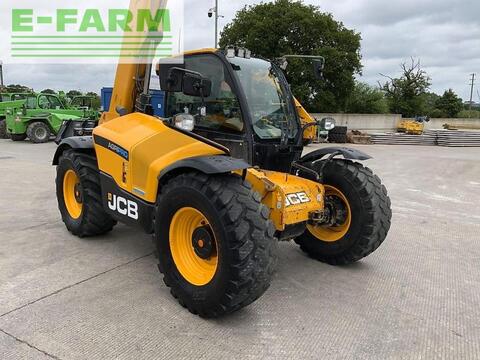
(216, 24)
(214, 11)
(471, 90)
(1, 75)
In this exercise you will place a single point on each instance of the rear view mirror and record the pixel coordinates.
(171, 78)
(194, 85)
(177, 79)
(318, 66)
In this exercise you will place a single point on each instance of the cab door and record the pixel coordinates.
(222, 120)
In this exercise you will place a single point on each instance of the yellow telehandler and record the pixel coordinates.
(220, 180)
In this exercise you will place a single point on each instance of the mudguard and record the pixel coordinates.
(74, 142)
(347, 153)
(216, 164)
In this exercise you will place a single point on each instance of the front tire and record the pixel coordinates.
(79, 195)
(234, 263)
(363, 207)
(38, 132)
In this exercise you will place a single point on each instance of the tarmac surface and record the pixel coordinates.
(416, 297)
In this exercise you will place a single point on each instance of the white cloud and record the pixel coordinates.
(444, 34)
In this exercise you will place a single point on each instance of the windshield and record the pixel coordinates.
(268, 102)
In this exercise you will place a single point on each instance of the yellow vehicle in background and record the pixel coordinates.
(412, 126)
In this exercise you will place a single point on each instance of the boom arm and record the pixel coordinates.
(130, 78)
(306, 118)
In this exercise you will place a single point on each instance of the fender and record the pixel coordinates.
(217, 164)
(347, 153)
(74, 142)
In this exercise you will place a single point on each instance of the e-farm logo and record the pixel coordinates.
(140, 31)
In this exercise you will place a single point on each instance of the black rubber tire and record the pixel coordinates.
(337, 138)
(37, 128)
(93, 219)
(245, 240)
(3, 129)
(339, 130)
(371, 214)
(18, 137)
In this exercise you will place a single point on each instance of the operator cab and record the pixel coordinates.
(248, 108)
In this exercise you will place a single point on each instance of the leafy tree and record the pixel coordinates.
(366, 99)
(49, 91)
(450, 103)
(430, 102)
(406, 94)
(73, 93)
(469, 114)
(96, 100)
(284, 27)
(17, 89)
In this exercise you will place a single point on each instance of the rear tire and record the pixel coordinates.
(83, 215)
(18, 137)
(38, 132)
(245, 248)
(368, 222)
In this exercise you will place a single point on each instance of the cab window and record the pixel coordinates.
(31, 102)
(222, 106)
(18, 97)
(49, 102)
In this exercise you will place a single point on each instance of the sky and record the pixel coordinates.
(443, 34)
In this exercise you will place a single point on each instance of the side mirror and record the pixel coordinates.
(171, 78)
(194, 85)
(318, 66)
(176, 79)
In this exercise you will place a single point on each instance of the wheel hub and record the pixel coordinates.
(40, 133)
(337, 210)
(202, 242)
(77, 189)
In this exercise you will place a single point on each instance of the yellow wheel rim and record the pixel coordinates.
(333, 233)
(71, 194)
(195, 269)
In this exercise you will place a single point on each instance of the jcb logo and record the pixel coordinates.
(296, 198)
(123, 206)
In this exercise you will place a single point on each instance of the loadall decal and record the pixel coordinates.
(117, 149)
(296, 198)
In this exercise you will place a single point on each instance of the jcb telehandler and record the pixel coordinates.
(219, 180)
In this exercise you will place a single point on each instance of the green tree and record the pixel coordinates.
(366, 99)
(14, 88)
(469, 114)
(284, 27)
(96, 100)
(406, 94)
(73, 93)
(430, 104)
(49, 91)
(450, 103)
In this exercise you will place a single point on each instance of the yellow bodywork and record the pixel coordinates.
(153, 146)
(275, 187)
(305, 118)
